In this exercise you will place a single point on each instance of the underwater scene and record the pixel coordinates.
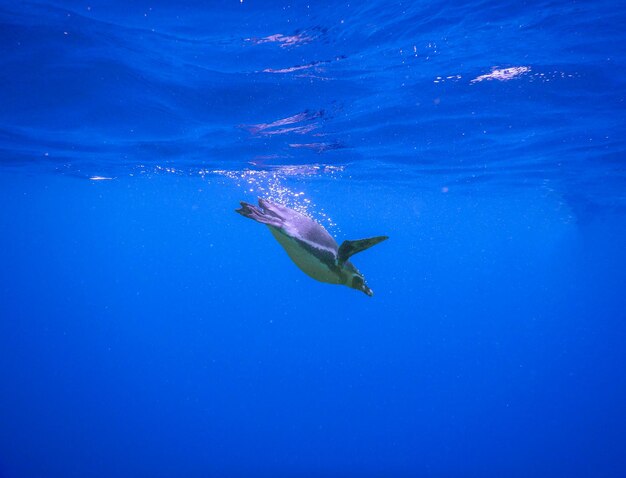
(247, 238)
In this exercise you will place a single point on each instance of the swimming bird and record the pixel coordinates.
(310, 246)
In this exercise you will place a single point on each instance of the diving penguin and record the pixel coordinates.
(310, 246)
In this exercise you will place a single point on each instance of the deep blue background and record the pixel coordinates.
(148, 330)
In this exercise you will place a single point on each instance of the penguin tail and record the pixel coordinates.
(258, 214)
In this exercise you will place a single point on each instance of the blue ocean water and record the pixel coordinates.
(146, 330)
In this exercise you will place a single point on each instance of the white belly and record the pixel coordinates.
(307, 263)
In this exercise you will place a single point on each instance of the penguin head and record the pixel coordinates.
(357, 282)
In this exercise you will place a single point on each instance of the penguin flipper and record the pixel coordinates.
(259, 215)
(349, 248)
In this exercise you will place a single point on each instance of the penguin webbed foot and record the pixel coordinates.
(257, 214)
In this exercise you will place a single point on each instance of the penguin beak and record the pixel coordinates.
(359, 284)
